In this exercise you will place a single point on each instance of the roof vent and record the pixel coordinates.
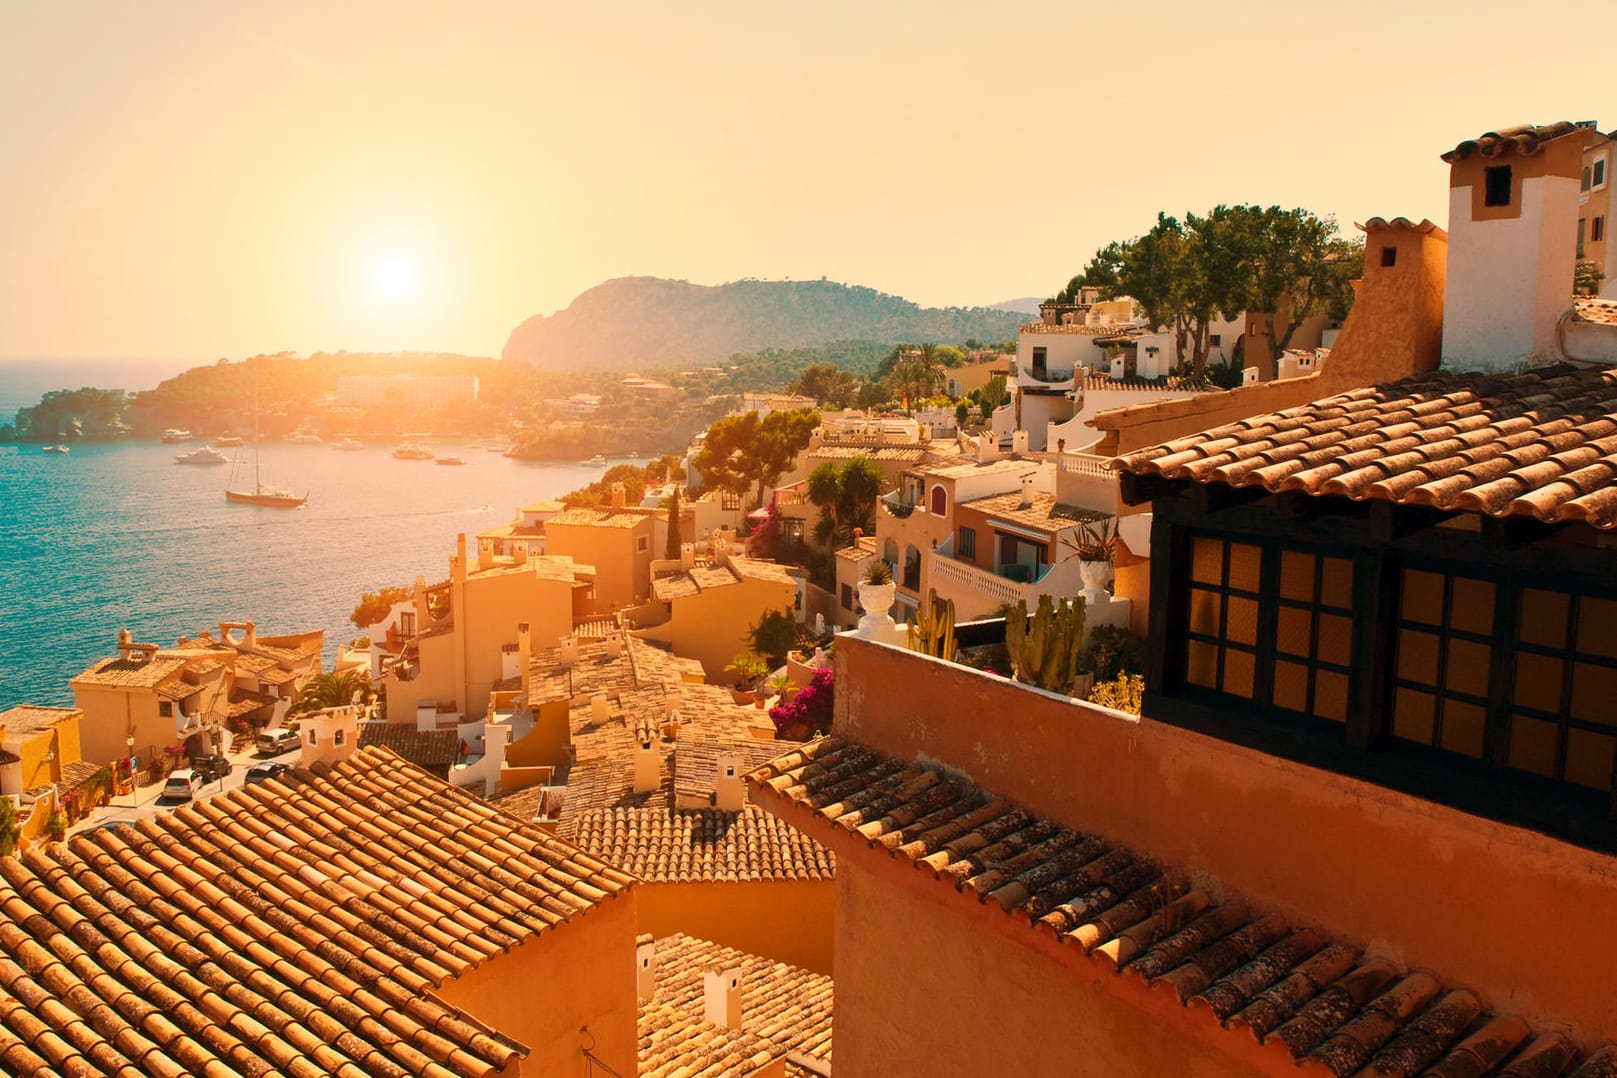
(721, 996)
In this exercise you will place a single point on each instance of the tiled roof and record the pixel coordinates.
(296, 927)
(1522, 139)
(674, 1045)
(660, 844)
(31, 718)
(74, 775)
(601, 516)
(786, 1005)
(700, 578)
(1540, 444)
(123, 674)
(1602, 312)
(696, 762)
(1401, 224)
(434, 750)
(178, 690)
(1045, 514)
(904, 454)
(522, 805)
(1317, 1000)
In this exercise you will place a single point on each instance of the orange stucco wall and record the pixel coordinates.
(1526, 919)
(576, 975)
(784, 920)
(111, 714)
(715, 625)
(935, 988)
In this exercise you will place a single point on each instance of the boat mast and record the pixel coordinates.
(258, 486)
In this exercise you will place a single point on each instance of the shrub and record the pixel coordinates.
(1112, 652)
(809, 712)
(10, 829)
(1122, 693)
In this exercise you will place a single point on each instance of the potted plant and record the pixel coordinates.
(876, 593)
(1045, 646)
(781, 686)
(1095, 547)
(750, 671)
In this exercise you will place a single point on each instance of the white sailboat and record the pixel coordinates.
(261, 494)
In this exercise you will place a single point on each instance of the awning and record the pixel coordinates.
(1015, 529)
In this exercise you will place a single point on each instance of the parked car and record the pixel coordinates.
(264, 772)
(182, 786)
(209, 768)
(274, 742)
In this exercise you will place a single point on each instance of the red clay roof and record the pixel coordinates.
(1540, 444)
(1522, 139)
(1315, 999)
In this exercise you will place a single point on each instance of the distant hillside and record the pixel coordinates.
(1025, 305)
(648, 322)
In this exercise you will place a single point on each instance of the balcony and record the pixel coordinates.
(976, 590)
(895, 504)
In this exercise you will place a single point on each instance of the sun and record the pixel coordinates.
(394, 276)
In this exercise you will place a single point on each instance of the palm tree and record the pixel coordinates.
(330, 690)
(847, 499)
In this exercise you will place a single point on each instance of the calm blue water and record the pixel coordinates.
(119, 536)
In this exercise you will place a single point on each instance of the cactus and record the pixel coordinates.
(1044, 648)
(932, 629)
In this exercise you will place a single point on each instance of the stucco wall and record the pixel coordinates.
(1448, 890)
(780, 919)
(928, 987)
(109, 715)
(580, 974)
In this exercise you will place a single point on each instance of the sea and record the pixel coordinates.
(119, 536)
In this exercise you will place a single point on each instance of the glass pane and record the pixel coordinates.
(1201, 665)
(1588, 758)
(1297, 576)
(1532, 745)
(1203, 612)
(1594, 693)
(1467, 669)
(1597, 627)
(1207, 561)
(1472, 609)
(1336, 583)
(1238, 672)
(1417, 656)
(1335, 639)
(1543, 618)
(1241, 627)
(1538, 681)
(1462, 728)
(1292, 632)
(1291, 686)
(1330, 695)
(1412, 716)
(1422, 598)
(1245, 562)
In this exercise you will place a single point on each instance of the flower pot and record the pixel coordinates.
(877, 600)
(1095, 575)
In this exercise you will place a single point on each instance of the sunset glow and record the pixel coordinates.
(395, 277)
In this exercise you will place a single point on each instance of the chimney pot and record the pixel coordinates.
(645, 969)
(728, 794)
(721, 996)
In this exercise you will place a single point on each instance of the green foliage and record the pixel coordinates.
(77, 413)
(1586, 277)
(1044, 648)
(774, 636)
(750, 670)
(56, 826)
(879, 572)
(1113, 651)
(10, 826)
(1125, 692)
(330, 690)
(632, 476)
(675, 539)
(828, 384)
(931, 630)
(1227, 374)
(846, 494)
(744, 449)
(374, 605)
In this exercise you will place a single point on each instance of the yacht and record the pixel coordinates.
(176, 434)
(348, 445)
(304, 438)
(204, 455)
(56, 449)
(228, 441)
(449, 460)
(259, 493)
(597, 461)
(411, 451)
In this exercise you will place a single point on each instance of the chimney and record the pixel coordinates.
(569, 650)
(687, 556)
(525, 656)
(485, 553)
(719, 552)
(423, 613)
(647, 775)
(728, 795)
(1019, 442)
(671, 723)
(519, 551)
(1027, 491)
(721, 996)
(614, 643)
(620, 497)
(987, 447)
(599, 710)
(645, 968)
(457, 564)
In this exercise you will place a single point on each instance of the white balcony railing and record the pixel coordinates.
(946, 571)
(1089, 464)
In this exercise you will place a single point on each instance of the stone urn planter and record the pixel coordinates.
(1095, 575)
(877, 600)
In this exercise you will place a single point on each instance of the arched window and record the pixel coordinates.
(940, 501)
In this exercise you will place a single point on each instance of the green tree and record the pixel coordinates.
(374, 605)
(10, 827)
(1102, 272)
(671, 550)
(846, 495)
(828, 384)
(335, 689)
(743, 449)
(774, 635)
(1586, 277)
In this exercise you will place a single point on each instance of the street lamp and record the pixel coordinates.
(129, 758)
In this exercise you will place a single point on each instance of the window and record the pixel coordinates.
(1389, 256)
(1040, 370)
(1215, 340)
(1581, 229)
(1600, 173)
(642, 544)
(940, 501)
(1222, 630)
(336, 738)
(407, 623)
(1443, 661)
(1313, 635)
(1563, 725)
(968, 542)
(729, 499)
(311, 737)
(1496, 186)
(1597, 230)
(847, 597)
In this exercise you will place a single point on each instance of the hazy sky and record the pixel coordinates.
(217, 178)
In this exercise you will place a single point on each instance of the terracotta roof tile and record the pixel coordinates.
(121, 673)
(290, 927)
(434, 750)
(1541, 444)
(785, 1006)
(30, 718)
(1310, 999)
(1521, 139)
(1599, 311)
(665, 845)
(674, 1045)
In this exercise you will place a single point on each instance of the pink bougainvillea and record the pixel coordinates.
(809, 712)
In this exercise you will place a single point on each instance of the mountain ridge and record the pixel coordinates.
(633, 322)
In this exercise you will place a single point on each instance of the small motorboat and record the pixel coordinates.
(411, 451)
(304, 438)
(228, 441)
(56, 449)
(348, 445)
(596, 461)
(205, 455)
(176, 434)
(451, 461)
